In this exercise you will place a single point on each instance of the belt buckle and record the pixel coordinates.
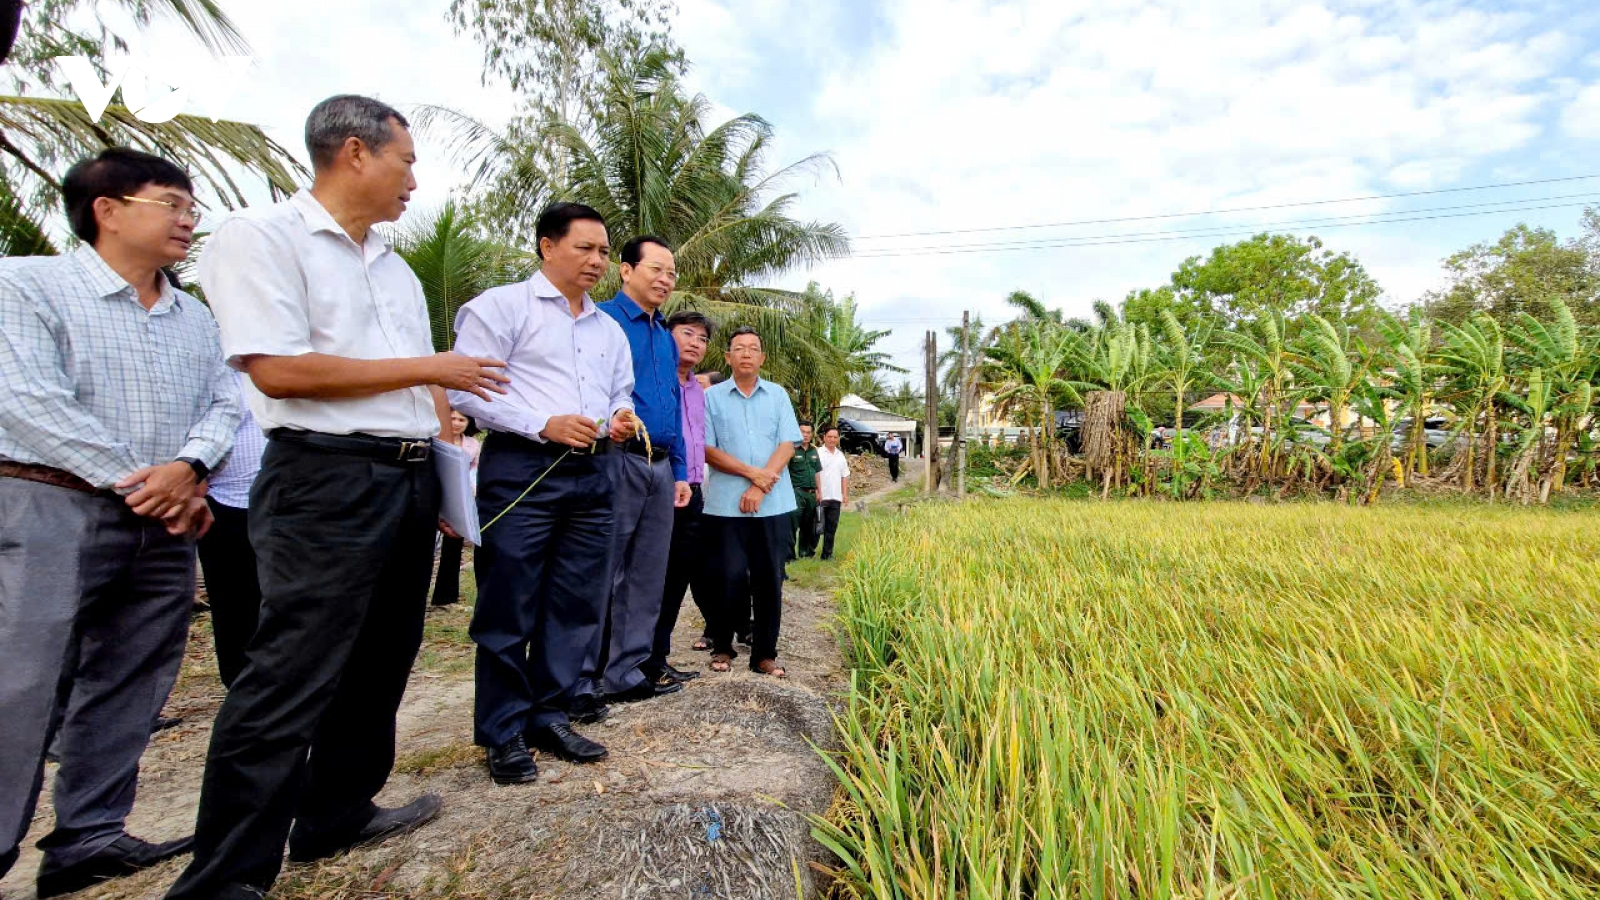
(411, 451)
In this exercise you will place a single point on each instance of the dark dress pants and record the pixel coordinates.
(749, 550)
(344, 547)
(542, 585)
(687, 571)
(447, 584)
(229, 565)
(94, 614)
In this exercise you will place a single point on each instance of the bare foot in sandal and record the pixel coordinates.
(721, 662)
(770, 667)
(703, 644)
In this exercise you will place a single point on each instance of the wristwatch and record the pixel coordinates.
(201, 470)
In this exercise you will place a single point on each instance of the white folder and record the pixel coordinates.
(458, 507)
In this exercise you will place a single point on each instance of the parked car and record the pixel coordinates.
(1299, 431)
(1069, 429)
(1435, 432)
(856, 437)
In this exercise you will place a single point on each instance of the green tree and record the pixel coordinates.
(455, 263)
(1329, 363)
(1275, 273)
(552, 52)
(1410, 379)
(1526, 271)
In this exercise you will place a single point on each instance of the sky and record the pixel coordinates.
(956, 115)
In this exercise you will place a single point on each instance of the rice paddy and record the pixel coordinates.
(1056, 699)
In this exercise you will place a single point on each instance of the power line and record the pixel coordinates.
(1240, 231)
(1236, 209)
(1366, 218)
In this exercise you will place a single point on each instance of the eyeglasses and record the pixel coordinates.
(179, 210)
(656, 270)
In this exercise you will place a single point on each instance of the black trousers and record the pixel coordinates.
(894, 467)
(830, 525)
(307, 732)
(229, 563)
(686, 572)
(748, 553)
(542, 585)
(447, 584)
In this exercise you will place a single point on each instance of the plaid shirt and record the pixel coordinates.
(92, 383)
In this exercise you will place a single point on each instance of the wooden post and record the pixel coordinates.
(961, 409)
(930, 397)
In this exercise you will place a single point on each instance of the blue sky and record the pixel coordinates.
(951, 114)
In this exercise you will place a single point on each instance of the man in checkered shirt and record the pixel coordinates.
(114, 405)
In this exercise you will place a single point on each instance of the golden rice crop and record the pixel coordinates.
(1057, 699)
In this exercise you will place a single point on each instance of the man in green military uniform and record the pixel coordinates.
(803, 469)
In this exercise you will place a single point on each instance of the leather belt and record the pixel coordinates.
(50, 476)
(636, 447)
(399, 451)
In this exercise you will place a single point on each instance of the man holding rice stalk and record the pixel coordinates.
(543, 494)
(751, 432)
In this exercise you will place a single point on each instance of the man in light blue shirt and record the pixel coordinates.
(751, 431)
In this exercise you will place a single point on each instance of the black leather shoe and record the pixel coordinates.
(676, 674)
(162, 723)
(511, 763)
(386, 824)
(560, 740)
(649, 690)
(588, 710)
(124, 856)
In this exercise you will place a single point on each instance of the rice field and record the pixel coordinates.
(1057, 699)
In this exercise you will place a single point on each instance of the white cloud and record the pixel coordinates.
(1581, 118)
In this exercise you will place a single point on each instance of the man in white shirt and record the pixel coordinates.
(833, 486)
(332, 328)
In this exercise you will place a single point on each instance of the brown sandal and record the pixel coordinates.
(770, 667)
(721, 662)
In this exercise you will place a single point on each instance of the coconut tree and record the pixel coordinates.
(40, 135)
(455, 263)
(1028, 359)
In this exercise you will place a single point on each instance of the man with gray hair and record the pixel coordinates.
(331, 327)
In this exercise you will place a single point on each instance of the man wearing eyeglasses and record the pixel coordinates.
(649, 479)
(114, 405)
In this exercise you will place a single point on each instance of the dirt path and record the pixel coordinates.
(703, 796)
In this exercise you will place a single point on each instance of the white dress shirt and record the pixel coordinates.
(830, 478)
(558, 365)
(286, 280)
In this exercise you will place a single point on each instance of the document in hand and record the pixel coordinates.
(457, 507)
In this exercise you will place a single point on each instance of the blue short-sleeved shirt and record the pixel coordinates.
(748, 429)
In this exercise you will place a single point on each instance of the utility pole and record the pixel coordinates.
(930, 397)
(961, 410)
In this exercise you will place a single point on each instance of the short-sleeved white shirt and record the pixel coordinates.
(286, 280)
(830, 478)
